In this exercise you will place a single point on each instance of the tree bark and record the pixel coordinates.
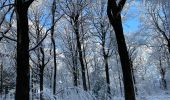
(133, 77)
(107, 74)
(81, 60)
(80, 56)
(75, 70)
(88, 77)
(87, 71)
(42, 66)
(169, 46)
(54, 45)
(23, 75)
(120, 75)
(32, 85)
(41, 83)
(74, 56)
(1, 88)
(23, 72)
(105, 57)
(162, 74)
(114, 15)
(80, 52)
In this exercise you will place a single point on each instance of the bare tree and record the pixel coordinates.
(133, 51)
(104, 34)
(23, 71)
(162, 71)
(114, 13)
(160, 21)
(159, 24)
(53, 10)
(71, 54)
(1, 75)
(73, 12)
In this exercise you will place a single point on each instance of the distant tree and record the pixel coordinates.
(159, 23)
(103, 32)
(133, 51)
(162, 70)
(74, 11)
(40, 53)
(1, 79)
(71, 54)
(53, 11)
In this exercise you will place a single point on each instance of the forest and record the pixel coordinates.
(84, 49)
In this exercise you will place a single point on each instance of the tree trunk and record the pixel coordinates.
(169, 45)
(76, 29)
(54, 46)
(55, 67)
(162, 74)
(23, 75)
(124, 58)
(87, 71)
(107, 73)
(120, 76)
(88, 77)
(81, 61)
(41, 83)
(120, 83)
(32, 85)
(115, 20)
(133, 76)
(75, 77)
(1, 88)
(74, 54)
(164, 84)
(42, 66)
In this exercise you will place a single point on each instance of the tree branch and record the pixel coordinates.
(121, 5)
(7, 5)
(45, 34)
(40, 41)
(28, 3)
(4, 36)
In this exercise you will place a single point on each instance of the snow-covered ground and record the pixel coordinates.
(87, 96)
(75, 93)
(162, 97)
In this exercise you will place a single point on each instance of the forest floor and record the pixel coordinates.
(151, 97)
(82, 95)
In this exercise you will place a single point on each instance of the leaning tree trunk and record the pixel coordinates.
(23, 73)
(114, 15)
(119, 75)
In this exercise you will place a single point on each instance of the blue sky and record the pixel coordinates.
(131, 25)
(132, 21)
